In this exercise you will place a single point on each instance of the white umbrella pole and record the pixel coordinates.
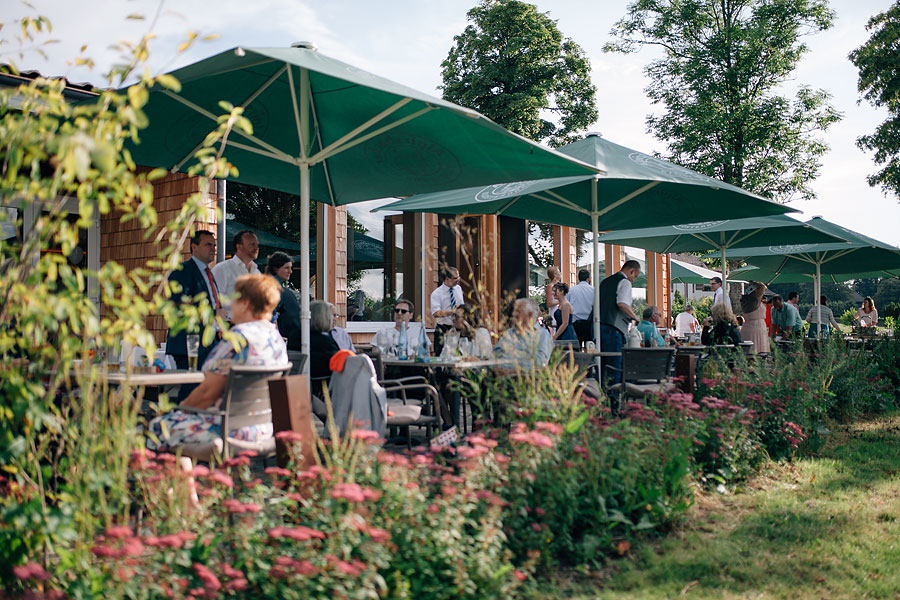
(304, 263)
(818, 298)
(422, 268)
(724, 278)
(595, 278)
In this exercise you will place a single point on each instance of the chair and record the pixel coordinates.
(645, 371)
(402, 414)
(298, 360)
(355, 393)
(245, 402)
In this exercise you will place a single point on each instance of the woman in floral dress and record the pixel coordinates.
(260, 344)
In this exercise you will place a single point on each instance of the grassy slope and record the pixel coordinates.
(824, 527)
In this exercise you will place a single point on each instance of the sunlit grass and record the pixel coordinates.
(822, 527)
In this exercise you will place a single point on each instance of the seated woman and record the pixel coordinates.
(723, 328)
(867, 315)
(321, 345)
(287, 313)
(260, 344)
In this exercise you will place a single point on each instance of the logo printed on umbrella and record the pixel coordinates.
(651, 162)
(499, 191)
(413, 156)
(790, 248)
(700, 226)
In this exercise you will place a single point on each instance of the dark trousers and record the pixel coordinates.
(439, 331)
(611, 340)
(584, 330)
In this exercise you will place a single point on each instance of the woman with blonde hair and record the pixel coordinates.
(723, 329)
(867, 315)
(553, 277)
(754, 328)
(259, 344)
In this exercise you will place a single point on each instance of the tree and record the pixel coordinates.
(723, 61)
(879, 83)
(513, 65)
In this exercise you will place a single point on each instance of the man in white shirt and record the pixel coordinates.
(246, 249)
(444, 301)
(686, 322)
(581, 297)
(715, 284)
(388, 337)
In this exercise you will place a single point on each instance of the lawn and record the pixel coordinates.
(822, 527)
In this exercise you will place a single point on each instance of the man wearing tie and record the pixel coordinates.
(195, 278)
(444, 301)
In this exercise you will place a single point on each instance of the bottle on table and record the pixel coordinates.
(402, 342)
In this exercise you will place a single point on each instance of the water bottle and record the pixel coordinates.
(422, 349)
(402, 342)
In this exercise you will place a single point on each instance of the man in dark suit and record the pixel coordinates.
(195, 278)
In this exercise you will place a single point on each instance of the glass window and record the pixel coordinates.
(374, 260)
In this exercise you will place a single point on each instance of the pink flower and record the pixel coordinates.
(354, 492)
(277, 471)
(536, 526)
(300, 533)
(289, 436)
(230, 571)
(237, 585)
(553, 428)
(236, 461)
(348, 569)
(220, 477)
(118, 531)
(365, 435)
(520, 575)
(237, 507)
(31, 570)
(200, 471)
(210, 581)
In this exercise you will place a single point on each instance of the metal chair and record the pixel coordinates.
(403, 414)
(645, 371)
(245, 402)
(298, 360)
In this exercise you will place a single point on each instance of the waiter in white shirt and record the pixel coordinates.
(246, 249)
(581, 297)
(715, 284)
(444, 301)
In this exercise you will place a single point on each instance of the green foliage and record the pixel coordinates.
(718, 82)
(514, 65)
(848, 317)
(879, 85)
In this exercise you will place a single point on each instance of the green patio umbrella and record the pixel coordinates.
(859, 253)
(330, 132)
(723, 236)
(633, 190)
(769, 277)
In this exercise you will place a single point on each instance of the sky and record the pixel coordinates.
(406, 40)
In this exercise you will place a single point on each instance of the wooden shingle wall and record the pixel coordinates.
(125, 242)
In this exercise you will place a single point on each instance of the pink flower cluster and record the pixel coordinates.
(793, 433)
(354, 492)
(521, 435)
(237, 507)
(210, 582)
(31, 570)
(172, 540)
(299, 533)
(286, 565)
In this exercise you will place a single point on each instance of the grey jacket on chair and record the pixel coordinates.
(355, 391)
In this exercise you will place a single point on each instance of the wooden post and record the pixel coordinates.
(292, 411)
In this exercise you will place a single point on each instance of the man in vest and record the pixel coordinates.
(616, 315)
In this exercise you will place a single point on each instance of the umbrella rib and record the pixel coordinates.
(705, 238)
(312, 105)
(672, 243)
(568, 202)
(508, 204)
(209, 115)
(263, 87)
(322, 155)
(554, 199)
(630, 196)
(296, 113)
(839, 254)
(261, 152)
(335, 147)
(734, 241)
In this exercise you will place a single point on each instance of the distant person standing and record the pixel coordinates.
(721, 295)
(581, 297)
(553, 277)
(246, 249)
(195, 277)
(616, 315)
(444, 301)
(563, 314)
(287, 313)
(686, 322)
(754, 328)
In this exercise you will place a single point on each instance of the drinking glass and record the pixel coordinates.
(465, 347)
(113, 358)
(193, 348)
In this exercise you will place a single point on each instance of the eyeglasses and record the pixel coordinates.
(402, 311)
